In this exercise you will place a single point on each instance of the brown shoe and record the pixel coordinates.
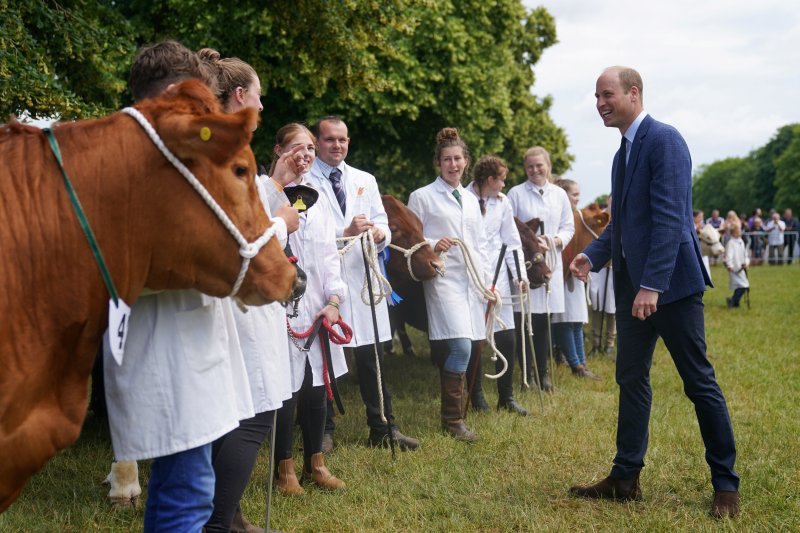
(582, 372)
(725, 504)
(319, 474)
(381, 439)
(286, 479)
(452, 406)
(241, 525)
(610, 489)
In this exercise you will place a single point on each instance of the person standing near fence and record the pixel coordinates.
(791, 234)
(736, 261)
(659, 280)
(774, 229)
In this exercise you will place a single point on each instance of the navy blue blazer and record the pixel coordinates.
(655, 226)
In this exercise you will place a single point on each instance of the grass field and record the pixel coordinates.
(516, 477)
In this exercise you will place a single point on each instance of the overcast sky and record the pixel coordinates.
(726, 73)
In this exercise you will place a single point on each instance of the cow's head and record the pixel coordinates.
(709, 241)
(406, 230)
(535, 264)
(192, 247)
(595, 218)
(590, 222)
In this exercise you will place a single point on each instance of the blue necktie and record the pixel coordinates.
(338, 190)
(619, 182)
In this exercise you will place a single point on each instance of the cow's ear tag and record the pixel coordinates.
(118, 321)
(299, 204)
(205, 133)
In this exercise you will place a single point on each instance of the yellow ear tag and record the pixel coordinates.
(299, 205)
(205, 133)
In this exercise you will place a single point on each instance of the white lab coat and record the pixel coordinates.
(498, 223)
(736, 259)
(554, 210)
(261, 330)
(314, 245)
(601, 289)
(182, 382)
(362, 197)
(575, 307)
(455, 308)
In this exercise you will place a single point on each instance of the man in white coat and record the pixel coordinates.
(356, 205)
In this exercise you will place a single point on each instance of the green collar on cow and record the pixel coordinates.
(87, 230)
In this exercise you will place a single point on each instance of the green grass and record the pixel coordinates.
(516, 477)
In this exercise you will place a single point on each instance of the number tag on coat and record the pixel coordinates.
(118, 320)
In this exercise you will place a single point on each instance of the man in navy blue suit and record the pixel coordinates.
(659, 280)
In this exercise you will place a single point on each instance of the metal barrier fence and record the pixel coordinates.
(761, 252)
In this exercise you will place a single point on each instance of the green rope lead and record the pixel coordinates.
(87, 230)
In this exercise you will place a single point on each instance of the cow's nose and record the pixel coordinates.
(438, 266)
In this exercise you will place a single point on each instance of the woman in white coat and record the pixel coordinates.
(539, 198)
(489, 179)
(568, 326)
(455, 308)
(314, 245)
(233, 455)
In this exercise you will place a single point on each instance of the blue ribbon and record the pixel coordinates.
(394, 298)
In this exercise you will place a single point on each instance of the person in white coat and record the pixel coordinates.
(356, 205)
(736, 261)
(182, 381)
(455, 307)
(489, 179)
(539, 198)
(234, 454)
(568, 326)
(314, 245)
(602, 307)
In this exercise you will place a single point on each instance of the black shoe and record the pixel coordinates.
(729, 302)
(478, 401)
(512, 406)
(610, 489)
(380, 438)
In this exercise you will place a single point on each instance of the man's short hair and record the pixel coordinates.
(628, 78)
(331, 118)
(159, 65)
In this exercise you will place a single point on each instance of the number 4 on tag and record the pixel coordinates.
(118, 321)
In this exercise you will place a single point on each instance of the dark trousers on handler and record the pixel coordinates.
(681, 325)
(367, 371)
(540, 349)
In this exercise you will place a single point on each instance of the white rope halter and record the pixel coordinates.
(246, 250)
(381, 288)
(408, 253)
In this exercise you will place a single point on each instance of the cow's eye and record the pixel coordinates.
(240, 171)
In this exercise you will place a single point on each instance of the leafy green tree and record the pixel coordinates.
(725, 184)
(397, 72)
(787, 174)
(67, 58)
(765, 159)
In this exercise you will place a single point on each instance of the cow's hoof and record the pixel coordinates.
(118, 504)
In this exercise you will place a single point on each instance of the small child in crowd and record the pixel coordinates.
(737, 261)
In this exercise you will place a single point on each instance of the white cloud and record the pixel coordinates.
(724, 72)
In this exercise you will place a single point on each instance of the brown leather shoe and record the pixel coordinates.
(319, 474)
(582, 372)
(725, 504)
(381, 439)
(286, 480)
(240, 524)
(610, 489)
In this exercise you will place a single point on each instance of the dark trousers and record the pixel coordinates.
(233, 457)
(367, 371)
(506, 343)
(541, 345)
(681, 325)
(737, 296)
(311, 409)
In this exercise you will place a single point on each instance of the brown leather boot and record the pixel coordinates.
(725, 504)
(286, 479)
(319, 474)
(610, 489)
(452, 406)
(582, 372)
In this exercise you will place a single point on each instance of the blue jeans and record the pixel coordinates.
(569, 337)
(458, 351)
(180, 494)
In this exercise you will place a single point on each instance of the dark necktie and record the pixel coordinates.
(338, 190)
(458, 196)
(619, 181)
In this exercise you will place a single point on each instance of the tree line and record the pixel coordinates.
(767, 177)
(396, 71)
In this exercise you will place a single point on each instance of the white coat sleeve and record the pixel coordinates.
(416, 203)
(510, 236)
(566, 224)
(332, 271)
(378, 215)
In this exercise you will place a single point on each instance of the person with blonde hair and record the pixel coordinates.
(539, 198)
(455, 309)
(736, 261)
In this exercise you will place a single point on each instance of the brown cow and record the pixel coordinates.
(406, 228)
(590, 222)
(153, 229)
